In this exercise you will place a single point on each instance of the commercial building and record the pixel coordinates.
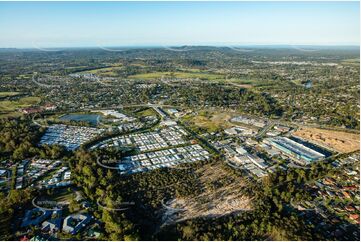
(252, 164)
(75, 222)
(250, 121)
(296, 150)
(35, 216)
(240, 150)
(239, 131)
(54, 224)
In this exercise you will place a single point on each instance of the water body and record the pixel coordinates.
(89, 118)
(308, 84)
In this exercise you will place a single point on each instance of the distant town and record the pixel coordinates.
(180, 147)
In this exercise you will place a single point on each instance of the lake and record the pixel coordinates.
(90, 118)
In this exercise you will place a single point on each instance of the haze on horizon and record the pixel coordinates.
(91, 24)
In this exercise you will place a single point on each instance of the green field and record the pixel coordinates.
(106, 71)
(8, 94)
(185, 75)
(354, 62)
(182, 73)
(146, 112)
(9, 108)
(209, 120)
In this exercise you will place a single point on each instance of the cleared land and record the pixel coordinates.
(222, 194)
(210, 120)
(340, 141)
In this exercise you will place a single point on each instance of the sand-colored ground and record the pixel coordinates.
(214, 201)
(211, 120)
(337, 140)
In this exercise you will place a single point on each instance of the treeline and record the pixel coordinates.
(10, 204)
(273, 217)
(259, 103)
(218, 95)
(98, 185)
(145, 192)
(19, 138)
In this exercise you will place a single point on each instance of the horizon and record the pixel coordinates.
(254, 46)
(117, 24)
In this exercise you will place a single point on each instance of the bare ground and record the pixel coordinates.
(337, 140)
(219, 197)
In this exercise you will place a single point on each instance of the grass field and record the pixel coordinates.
(354, 62)
(242, 83)
(249, 83)
(63, 195)
(185, 75)
(336, 140)
(146, 112)
(182, 73)
(210, 120)
(106, 71)
(8, 94)
(9, 108)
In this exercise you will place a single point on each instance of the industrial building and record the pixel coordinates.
(302, 153)
(251, 163)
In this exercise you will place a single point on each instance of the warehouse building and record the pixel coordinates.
(293, 149)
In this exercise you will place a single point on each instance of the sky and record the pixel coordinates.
(87, 24)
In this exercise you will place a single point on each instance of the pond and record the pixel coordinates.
(90, 118)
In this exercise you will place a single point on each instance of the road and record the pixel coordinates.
(266, 128)
(150, 105)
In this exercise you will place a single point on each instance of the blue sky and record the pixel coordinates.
(76, 24)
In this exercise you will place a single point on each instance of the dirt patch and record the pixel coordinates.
(241, 85)
(337, 140)
(223, 193)
(211, 120)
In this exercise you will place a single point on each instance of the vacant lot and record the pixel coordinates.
(222, 194)
(337, 140)
(210, 120)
